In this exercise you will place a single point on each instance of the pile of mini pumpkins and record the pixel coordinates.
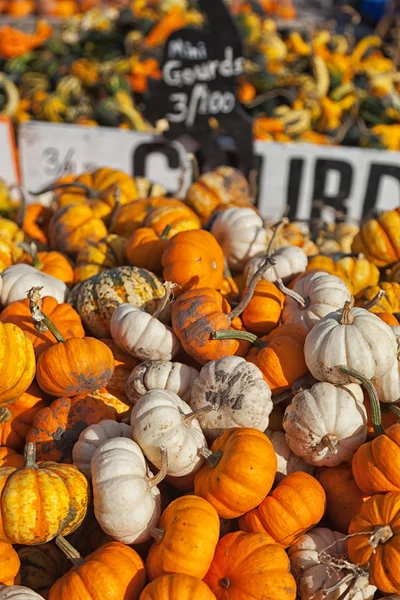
(195, 404)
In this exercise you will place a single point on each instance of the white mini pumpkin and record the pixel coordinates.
(161, 374)
(91, 438)
(18, 592)
(288, 462)
(388, 385)
(241, 234)
(313, 297)
(16, 280)
(126, 498)
(141, 334)
(161, 418)
(353, 337)
(312, 564)
(326, 424)
(289, 262)
(237, 388)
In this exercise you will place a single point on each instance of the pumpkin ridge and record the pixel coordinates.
(378, 455)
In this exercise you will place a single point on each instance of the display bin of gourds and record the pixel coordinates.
(195, 404)
(320, 87)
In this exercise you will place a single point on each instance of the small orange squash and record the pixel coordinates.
(16, 420)
(9, 565)
(177, 218)
(17, 363)
(379, 239)
(263, 312)
(131, 216)
(172, 587)
(389, 303)
(96, 257)
(72, 227)
(9, 458)
(145, 249)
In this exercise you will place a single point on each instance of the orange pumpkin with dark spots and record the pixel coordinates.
(16, 420)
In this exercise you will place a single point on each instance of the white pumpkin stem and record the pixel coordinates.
(157, 534)
(346, 318)
(41, 321)
(211, 457)
(31, 250)
(5, 414)
(267, 264)
(233, 334)
(187, 419)
(330, 441)
(375, 300)
(168, 287)
(153, 481)
(70, 552)
(30, 455)
(380, 535)
(373, 397)
(292, 294)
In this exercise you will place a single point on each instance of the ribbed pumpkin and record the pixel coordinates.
(239, 471)
(343, 498)
(64, 317)
(172, 587)
(145, 248)
(379, 521)
(177, 218)
(57, 427)
(96, 298)
(9, 458)
(379, 239)
(357, 272)
(36, 222)
(194, 259)
(263, 312)
(198, 313)
(17, 363)
(389, 303)
(7, 253)
(96, 257)
(280, 357)
(250, 565)
(112, 571)
(195, 523)
(40, 501)
(131, 216)
(41, 566)
(223, 185)
(52, 263)
(275, 514)
(16, 420)
(101, 195)
(72, 227)
(9, 565)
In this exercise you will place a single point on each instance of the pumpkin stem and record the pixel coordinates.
(346, 318)
(157, 534)
(187, 419)
(211, 457)
(90, 192)
(70, 552)
(115, 211)
(153, 481)
(375, 300)
(168, 287)
(31, 249)
(391, 407)
(380, 535)
(292, 294)
(373, 397)
(42, 321)
(231, 334)
(225, 583)
(5, 414)
(165, 233)
(30, 455)
(339, 584)
(330, 441)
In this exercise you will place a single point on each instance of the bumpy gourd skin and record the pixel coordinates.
(17, 363)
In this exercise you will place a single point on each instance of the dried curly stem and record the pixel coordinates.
(42, 321)
(70, 552)
(380, 535)
(375, 300)
(153, 481)
(187, 419)
(373, 397)
(292, 294)
(169, 287)
(30, 455)
(211, 457)
(346, 317)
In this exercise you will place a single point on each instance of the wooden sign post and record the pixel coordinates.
(200, 68)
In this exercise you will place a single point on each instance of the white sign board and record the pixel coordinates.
(50, 150)
(8, 162)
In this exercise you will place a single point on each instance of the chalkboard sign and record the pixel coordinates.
(200, 68)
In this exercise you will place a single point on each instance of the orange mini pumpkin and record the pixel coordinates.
(131, 216)
(17, 363)
(376, 541)
(277, 516)
(379, 239)
(72, 227)
(57, 427)
(263, 312)
(239, 471)
(178, 585)
(194, 259)
(250, 565)
(115, 569)
(178, 218)
(196, 315)
(64, 317)
(145, 249)
(16, 420)
(9, 564)
(96, 257)
(9, 458)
